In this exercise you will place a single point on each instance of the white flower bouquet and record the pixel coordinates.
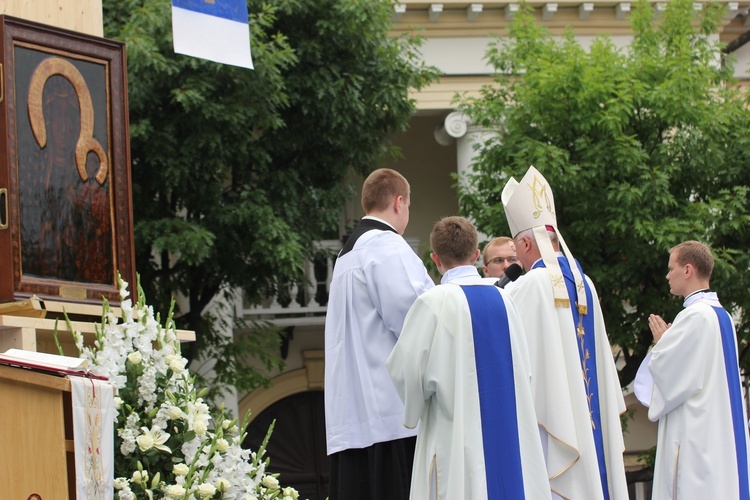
(168, 442)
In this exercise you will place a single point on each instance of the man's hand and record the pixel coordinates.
(658, 326)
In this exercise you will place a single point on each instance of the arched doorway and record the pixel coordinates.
(297, 448)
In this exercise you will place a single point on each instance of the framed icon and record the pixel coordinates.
(66, 225)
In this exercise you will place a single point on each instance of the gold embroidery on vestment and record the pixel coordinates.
(539, 195)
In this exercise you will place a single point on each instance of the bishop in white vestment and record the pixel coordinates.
(575, 387)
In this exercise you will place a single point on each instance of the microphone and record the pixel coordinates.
(511, 274)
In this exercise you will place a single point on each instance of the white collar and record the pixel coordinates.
(702, 295)
(466, 271)
(558, 253)
(372, 217)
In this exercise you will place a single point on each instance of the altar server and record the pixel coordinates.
(576, 391)
(691, 383)
(461, 367)
(376, 279)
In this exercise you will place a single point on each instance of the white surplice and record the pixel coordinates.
(696, 457)
(371, 291)
(560, 397)
(433, 367)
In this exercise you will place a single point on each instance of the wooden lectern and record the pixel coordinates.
(36, 432)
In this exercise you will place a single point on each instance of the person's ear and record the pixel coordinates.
(435, 259)
(397, 202)
(689, 270)
(523, 243)
(476, 256)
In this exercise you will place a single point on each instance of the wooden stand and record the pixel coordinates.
(36, 432)
(84, 16)
(31, 325)
(36, 425)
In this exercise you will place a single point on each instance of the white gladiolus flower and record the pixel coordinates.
(126, 494)
(222, 485)
(165, 408)
(123, 289)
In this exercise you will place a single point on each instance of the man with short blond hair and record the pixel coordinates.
(498, 255)
(691, 384)
(376, 278)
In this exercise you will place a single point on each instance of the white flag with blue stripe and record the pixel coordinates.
(216, 30)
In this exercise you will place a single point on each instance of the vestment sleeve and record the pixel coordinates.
(678, 361)
(607, 370)
(518, 336)
(394, 282)
(407, 364)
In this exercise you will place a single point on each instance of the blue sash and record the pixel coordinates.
(497, 393)
(735, 398)
(589, 346)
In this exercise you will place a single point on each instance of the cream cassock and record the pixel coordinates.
(696, 396)
(470, 393)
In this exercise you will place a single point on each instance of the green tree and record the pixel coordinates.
(644, 147)
(237, 172)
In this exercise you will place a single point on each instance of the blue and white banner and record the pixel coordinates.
(216, 30)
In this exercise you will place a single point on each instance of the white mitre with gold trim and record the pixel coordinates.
(529, 204)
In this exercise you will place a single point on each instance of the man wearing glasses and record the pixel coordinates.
(498, 255)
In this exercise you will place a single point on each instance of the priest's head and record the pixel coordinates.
(454, 243)
(690, 267)
(530, 209)
(386, 195)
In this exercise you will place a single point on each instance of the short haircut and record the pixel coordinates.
(495, 242)
(455, 240)
(550, 233)
(697, 254)
(381, 187)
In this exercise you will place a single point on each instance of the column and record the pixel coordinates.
(458, 126)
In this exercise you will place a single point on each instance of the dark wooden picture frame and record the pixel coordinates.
(66, 219)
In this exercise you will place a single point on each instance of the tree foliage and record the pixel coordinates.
(644, 147)
(237, 172)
